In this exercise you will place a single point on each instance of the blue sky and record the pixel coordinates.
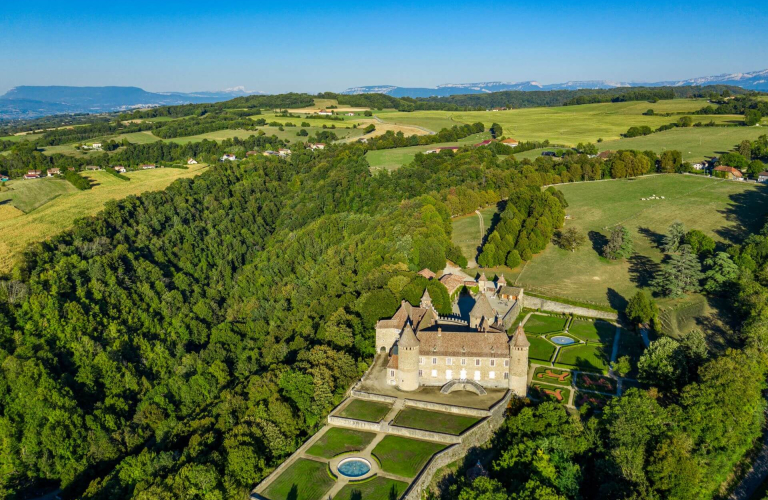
(315, 46)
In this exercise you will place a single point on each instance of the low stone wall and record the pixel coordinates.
(559, 307)
(373, 397)
(356, 424)
(476, 436)
(426, 435)
(461, 410)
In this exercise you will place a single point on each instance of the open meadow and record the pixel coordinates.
(35, 210)
(392, 159)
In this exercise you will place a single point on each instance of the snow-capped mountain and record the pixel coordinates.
(756, 80)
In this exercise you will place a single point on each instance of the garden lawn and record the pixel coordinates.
(593, 331)
(540, 324)
(370, 411)
(403, 456)
(448, 423)
(588, 358)
(336, 441)
(303, 480)
(378, 488)
(552, 376)
(541, 349)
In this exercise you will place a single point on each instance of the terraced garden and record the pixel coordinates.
(370, 411)
(337, 441)
(403, 456)
(448, 423)
(303, 480)
(378, 488)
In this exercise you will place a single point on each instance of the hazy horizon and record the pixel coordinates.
(303, 47)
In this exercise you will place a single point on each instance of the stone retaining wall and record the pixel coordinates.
(461, 410)
(356, 424)
(559, 307)
(476, 436)
(374, 397)
(420, 434)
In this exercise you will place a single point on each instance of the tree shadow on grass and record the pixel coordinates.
(745, 213)
(598, 241)
(293, 494)
(656, 239)
(642, 270)
(616, 300)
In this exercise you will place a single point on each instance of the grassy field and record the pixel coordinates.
(722, 209)
(540, 324)
(467, 233)
(588, 358)
(403, 456)
(392, 159)
(303, 480)
(448, 423)
(695, 143)
(369, 411)
(567, 125)
(337, 441)
(593, 331)
(60, 212)
(379, 488)
(27, 195)
(541, 349)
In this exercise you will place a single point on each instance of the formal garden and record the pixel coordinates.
(337, 440)
(369, 411)
(403, 456)
(447, 423)
(376, 488)
(304, 479)
(548, 392)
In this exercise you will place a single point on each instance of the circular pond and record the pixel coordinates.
(354, 467)
(562, 340)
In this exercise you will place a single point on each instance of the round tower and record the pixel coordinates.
(518, 362)
(408, 360)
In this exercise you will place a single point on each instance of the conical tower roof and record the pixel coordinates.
(501, 280)
(482, 308)
(519, 339)
(408, 338)
(482, 277)
(426, 295)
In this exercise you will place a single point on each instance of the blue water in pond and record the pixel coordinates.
(354, 468)
(561, 340)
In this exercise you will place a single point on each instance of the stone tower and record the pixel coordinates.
(426, 300)
(518, 362)
(408, 360)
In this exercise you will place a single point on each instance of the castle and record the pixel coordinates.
(426, 349)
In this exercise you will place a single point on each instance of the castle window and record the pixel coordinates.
(491, 375)
(506, 362)
(506, 376)
(448, 361)
(421, 360)
(391, 373)
(477, 374)
(463, 361)
(448, 374)
(434, 361)
(477, 361)
(420, 373)
(434, 373)
(493, 362)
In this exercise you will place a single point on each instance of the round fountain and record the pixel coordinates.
(354, 467)
(562, 340)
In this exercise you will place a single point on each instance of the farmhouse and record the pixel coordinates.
(119, 169)
(427, 273)
(426, 349)
(699, 166)
(32, 174)
(191, 161)
(283, 152)
(350, 114)
(92, 167)
(228, 157)
(269, 153)
(510, 142)
(484, 143)
(146, 167)
(325, 112)
(250, 153)
(762, 177)
(315, 145)
(96, 145)
(604, 155)
(442, 148)
(729, 172)
(53, 171)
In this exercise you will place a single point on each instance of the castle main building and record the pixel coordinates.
(425, 349)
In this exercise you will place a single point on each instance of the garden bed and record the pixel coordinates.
(552, 376)
(596, 383)
(552, 393)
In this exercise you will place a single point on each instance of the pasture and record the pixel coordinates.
(567, 125)
(52, 214)
(722, 209)
(302, 480)
(403, 456)
(469, 230)
(27, 195)
(392, 159)
(448, 423)
(695, 143)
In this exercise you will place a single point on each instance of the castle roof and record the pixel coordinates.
(426, 295)
(427, 273)
(405, 313)
(519, 339)
(492, 343)
(408, 338)
(482, 277)
(501, 280)
(452, 282)
(482, 308)
(393, 363)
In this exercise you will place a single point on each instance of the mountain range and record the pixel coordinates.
(756, 80)
(36, 101)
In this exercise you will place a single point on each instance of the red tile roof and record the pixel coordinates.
(731, 170)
